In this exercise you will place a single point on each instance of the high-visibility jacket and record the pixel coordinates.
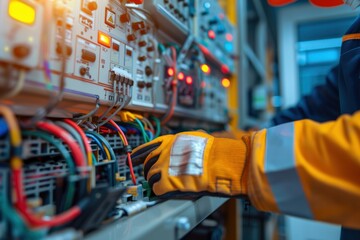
(310, 169)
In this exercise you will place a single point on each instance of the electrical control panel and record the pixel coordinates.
(88, 81)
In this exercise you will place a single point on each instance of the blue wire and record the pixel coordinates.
(103, 153)
(3, 127)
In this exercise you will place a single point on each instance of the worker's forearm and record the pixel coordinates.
(308, 169)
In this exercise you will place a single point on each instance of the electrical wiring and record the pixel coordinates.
(126, 145)
(158, 126)
(70, 191)
(16, 170)
(148, 124)
(91, 113)
(54, 100)
(83, 138)
(174, 84)
(124, 104)
(73, 133)
(99, 144)
(18, 86)
(106, 144)
(145, 136)
(115, 100)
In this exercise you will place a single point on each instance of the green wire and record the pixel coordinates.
(142, 129)
(158, 126)
(21, 230)
(70, 191)
(94, 160)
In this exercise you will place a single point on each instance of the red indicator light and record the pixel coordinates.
(203, 84)
(170, 72)
(189, 80)
(229, 37)
(225, 82)
(205, 68)
(181, 76)
(211, 34)
(225, 69)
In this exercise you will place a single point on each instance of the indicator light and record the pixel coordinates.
(205, 68)
(170, 72)
(203, 84)
(225, 69)
(229, 37)
(189, 80)
(104, 39)
(181, 76)
(225, 82)
(211, 34)
(22, 12)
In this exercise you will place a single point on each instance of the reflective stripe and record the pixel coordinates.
(281, 171)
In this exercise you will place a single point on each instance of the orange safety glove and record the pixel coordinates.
(236, 134)
(194, 164)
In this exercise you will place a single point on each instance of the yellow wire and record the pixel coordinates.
(107, 152)
(15, 135)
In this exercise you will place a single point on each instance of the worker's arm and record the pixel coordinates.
(308, 169)
(321, 105)
(302, 168)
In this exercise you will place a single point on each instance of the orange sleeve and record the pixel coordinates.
(308, 169)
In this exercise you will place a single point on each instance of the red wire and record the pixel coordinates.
(20, 204)
(33, 220)
(83, 136)
(128, 154)
(78, 155)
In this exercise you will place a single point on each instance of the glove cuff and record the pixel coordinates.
(226, 166)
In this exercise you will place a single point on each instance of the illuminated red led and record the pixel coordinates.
(181, 76)
(170, 72)
(205, 68)
(211, 34)
(225, 82)
(229, 37)
(225, 69)
(189, 80)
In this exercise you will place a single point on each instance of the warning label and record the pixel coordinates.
(110, 18)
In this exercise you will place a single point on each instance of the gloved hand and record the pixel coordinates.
(194, 164)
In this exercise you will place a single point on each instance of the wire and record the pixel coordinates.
(125, 103)
(100, 145)
(158, 126)
(79, 157)
(18, 87)
(73, 133)
(70, 191)
(92, 112)
(16, 168)
(174, 84)
(145, 136)
(106, 144)
(83, 138)
(42, 112)
(126, 144)
(148, 123)
(115, 100)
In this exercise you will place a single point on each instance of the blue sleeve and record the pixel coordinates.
(321, 105)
